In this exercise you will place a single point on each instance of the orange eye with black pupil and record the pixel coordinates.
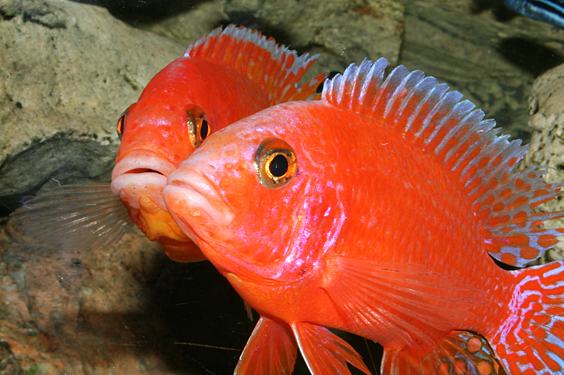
(121, 125)
(198, 126)
(275, 163)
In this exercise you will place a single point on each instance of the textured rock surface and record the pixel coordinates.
(67, 71)
(9, 365)
(488, 55)
(125, 310)
(343, 31)
(547, 141)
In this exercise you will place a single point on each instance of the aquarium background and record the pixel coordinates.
(68, 69)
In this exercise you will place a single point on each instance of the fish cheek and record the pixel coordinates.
(236, 186)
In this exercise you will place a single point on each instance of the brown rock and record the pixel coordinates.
(492, 60)
(67, 72)
(343, 31)
(547, 140)
(9, 365)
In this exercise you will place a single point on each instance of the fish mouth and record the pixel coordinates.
(141, 173)
(195, 204)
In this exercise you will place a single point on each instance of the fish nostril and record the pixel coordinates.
(145, 170)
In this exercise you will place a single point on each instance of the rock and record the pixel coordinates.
(67, 72)
(342, 31)
(546, 107)
(57, 310)
(493, 61)
(126, 310)
(9, 365)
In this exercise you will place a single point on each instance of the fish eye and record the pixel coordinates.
(198, 125)
(204, 129)
(275, 163)
(121, 124)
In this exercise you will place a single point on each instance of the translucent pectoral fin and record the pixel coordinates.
(74, 217)
(271, 350)
(324, 352)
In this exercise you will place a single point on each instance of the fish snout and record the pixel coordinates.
(142, 161)
(141, 173)
(195, 203)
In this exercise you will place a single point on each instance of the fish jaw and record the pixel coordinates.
(192, 199)
(141, 173)
(138, 179)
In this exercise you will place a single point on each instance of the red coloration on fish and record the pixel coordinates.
(373, 211)
(222, 78)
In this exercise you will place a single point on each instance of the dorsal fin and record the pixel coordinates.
(273, 67)
(423, 112)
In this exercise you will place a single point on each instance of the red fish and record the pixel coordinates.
(221, 78)
(377, 210)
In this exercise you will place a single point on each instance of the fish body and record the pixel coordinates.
(373, 211)
(549, 11)
(221, 78)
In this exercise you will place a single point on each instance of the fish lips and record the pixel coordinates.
(141, 173)
(195, 204)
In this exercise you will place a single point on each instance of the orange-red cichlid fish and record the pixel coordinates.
(377, 210)
(223, 77)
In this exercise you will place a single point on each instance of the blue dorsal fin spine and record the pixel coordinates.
(274, 67)
(422, 111)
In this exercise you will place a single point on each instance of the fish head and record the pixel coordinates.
(253, 199)
(175, 113)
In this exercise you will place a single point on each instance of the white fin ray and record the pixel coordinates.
(406, 86)
(432, 96)
(471, 118)
(459, 111)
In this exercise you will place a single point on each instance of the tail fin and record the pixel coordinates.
(531, 341)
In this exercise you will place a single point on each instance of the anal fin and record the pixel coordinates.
(460, 353)
(324, 352)
(271, 350)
